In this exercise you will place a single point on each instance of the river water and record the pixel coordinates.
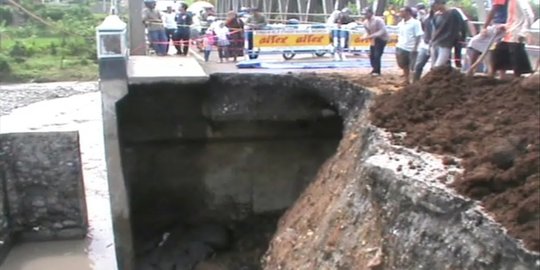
(65, 107)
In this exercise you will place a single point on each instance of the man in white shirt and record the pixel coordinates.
(409, 35)
(170, 24)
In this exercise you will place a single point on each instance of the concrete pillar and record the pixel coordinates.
(137, 36)
(113, 86)
(113, 83)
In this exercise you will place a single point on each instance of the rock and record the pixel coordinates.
(376, 261)
(214, 235)
(199, 250)
(502, 154)
(209, 266)
(193, 254)
(482, 173)
(146, 266)
(52, 200)
(531, 83)
(69, 223)
(38, 203)
(447, 160)
(57, 225)
(327, 113)
(71, 234)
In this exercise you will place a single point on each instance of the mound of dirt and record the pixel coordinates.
(494, 126)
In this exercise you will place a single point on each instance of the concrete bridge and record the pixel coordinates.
(190, 148)
(186, 149)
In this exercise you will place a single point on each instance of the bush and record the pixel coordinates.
(76, 47)
(53, 13)
(79, 12)
(19, 50)
(53, 48)
(26, 31)
(6, 15)
(5, 67)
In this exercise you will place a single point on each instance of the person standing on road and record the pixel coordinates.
(480, 42)
(331, 23)
(169, 20)
(409, 36)
(466, 28)
(222, 36)
(236, 28)
(256, 21)
(378, 37)
(424, 50)
(183, 23)
(390, 15)
(344, 19)
(154, 24)
(208, 43)
(447, 30)
(510, 54)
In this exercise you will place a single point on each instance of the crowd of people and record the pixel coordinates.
(227, 36)
(424, 33)
(435, 32)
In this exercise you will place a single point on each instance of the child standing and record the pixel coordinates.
(222, 35)
(208, 42)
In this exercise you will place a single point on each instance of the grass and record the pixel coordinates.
(44, 67)
(38, 42)
(47, 68)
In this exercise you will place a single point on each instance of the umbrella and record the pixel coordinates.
(196, 7)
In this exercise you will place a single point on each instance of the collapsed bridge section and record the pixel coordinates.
(222, 158)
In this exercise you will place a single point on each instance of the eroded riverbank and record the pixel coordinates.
(79, 110)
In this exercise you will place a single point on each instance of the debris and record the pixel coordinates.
(377, 260)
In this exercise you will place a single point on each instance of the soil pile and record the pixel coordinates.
(494, 126)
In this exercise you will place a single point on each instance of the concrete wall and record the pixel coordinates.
(41, 188)
(5, 235)
(223, 150)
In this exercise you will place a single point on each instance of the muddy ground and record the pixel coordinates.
(492, 125)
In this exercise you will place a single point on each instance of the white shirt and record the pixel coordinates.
(169, 20)
(221, 32)
(408, 31)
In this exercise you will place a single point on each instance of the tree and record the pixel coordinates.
(380, 6)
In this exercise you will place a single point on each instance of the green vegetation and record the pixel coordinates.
(58, 46)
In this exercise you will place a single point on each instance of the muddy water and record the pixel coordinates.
(81, 112)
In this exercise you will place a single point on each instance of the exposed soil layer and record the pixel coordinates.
(382, 84)
(493, 126)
